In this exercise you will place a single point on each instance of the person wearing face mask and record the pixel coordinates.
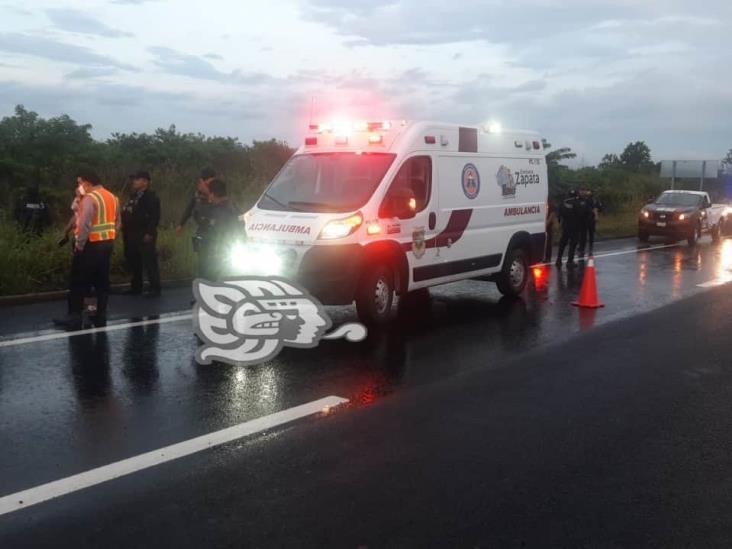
(140, 219)
(95, 229)
(69, 228)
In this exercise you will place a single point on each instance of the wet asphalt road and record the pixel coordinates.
(449, 368)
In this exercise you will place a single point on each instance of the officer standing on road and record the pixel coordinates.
(567, 216)
(197, 208)
(223, 220)
(583, 213)
(96, 228)
(140, 219)
(595, 207)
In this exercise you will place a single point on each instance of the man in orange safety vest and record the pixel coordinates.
(96, 227)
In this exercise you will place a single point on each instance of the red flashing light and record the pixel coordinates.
(430, 139)
(311, 141)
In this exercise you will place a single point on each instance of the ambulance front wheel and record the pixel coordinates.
(512, 279)
(375, 295)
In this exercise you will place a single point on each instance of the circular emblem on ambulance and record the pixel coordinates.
(471, 181)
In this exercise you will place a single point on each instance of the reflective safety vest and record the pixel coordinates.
(104, 223)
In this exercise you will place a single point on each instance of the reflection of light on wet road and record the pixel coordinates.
(723, 272)
(643, 270)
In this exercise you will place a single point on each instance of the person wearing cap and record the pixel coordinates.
(198, 208)
(140, 219)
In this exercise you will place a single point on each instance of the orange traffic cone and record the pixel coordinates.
(588, 294)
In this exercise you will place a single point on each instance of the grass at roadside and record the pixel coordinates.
(36, 264)
(619, 224)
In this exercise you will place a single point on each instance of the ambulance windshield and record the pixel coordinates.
(326, 182)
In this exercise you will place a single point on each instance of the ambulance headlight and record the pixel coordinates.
(261, 260)
(339, 228)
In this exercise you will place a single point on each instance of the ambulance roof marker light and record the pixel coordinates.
(494, 127)
(376, 139)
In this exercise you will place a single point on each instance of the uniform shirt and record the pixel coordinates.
(568, 211)
(141, 214)
(195, 208)
(87, 211)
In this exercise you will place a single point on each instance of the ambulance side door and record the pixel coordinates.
(414, 234)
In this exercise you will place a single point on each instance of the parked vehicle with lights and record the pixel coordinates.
(365, 211)
(680, 215)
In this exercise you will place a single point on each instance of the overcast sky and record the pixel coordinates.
(590, 74)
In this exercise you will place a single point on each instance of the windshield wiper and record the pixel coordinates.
(279, 203)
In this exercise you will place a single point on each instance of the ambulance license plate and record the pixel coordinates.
(661, 224)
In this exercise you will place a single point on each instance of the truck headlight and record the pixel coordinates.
(645, 214)
(339, 228)
(682, 217)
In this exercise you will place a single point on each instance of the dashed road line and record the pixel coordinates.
(621, 252)
(109, 328)
(68, 485)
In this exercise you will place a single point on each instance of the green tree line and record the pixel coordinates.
(47, 152)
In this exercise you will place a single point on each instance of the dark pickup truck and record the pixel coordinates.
(683, 215)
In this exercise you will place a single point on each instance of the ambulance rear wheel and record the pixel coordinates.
(375, 295)
(515, 274)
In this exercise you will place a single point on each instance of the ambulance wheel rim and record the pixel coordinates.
(381, 295)
(517, 272)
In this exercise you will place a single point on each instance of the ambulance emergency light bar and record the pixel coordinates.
(345, 127)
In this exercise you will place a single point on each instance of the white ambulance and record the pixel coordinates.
(368, 210)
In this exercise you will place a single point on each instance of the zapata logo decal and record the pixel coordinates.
(249, 320)
(471, 181)
(418, 243)
(506, 181)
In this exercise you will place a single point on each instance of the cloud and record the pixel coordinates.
(84, 73)
(54, 50)
(517, 22)
(212, 55)
(77, 21)
(183, 64)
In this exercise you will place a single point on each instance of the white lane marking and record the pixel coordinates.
(45, 492)
(621, 252)
(716, 282)
(110, 328)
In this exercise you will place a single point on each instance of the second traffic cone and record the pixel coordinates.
(588, 294)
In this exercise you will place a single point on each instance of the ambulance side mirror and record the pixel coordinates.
(400, 203)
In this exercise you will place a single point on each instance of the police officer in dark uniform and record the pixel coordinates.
(140, 219)
(223, 230)
(567, 216)
(197, 208)
(32, 212)
(595, 207)
(583, 212)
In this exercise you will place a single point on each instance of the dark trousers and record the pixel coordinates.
(210, 265)
(90, 268)
(582, 238)
(586, 236)
(569, 236)
(591, 235)
(549, 243)
(142, 256)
